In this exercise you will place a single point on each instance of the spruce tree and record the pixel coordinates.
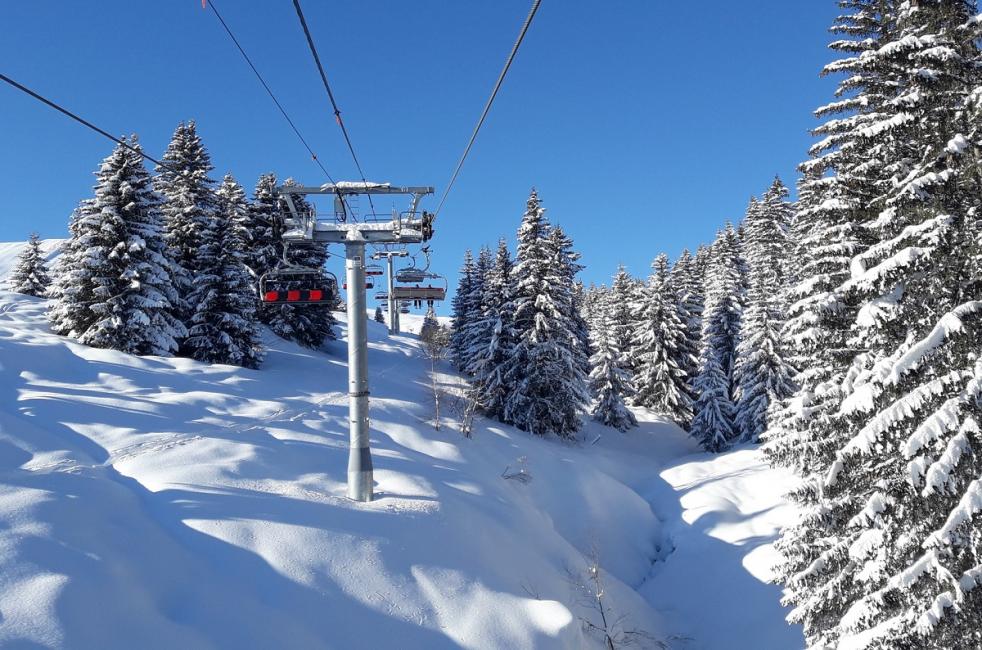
(188, 206)
(463, 309)
(689, 293)
(621, 316)
(908, 465)
(30, 275)
(840, 182)
(379, 316)
(762, 375)
(886, 551)
(700, 265)
(660, 338)
(224, 327)
(610, 384)
(263, 227)
(491, 388)
(125, 292)
(567, 266)
(72, 290)
(713, 423)
(477, 333)
(548, 386)
(725, 299)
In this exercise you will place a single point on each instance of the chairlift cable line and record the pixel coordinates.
(487, 106)
(330, 95)
(85, 122)
(269, 91)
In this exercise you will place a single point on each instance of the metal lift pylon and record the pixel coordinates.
(411, 227)
(394, 326)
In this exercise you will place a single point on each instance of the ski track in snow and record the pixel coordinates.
(162, 503)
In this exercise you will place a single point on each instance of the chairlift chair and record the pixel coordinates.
(293, 284)
(410, 275)
(430, 293)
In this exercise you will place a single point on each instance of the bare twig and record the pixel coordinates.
(589, 592)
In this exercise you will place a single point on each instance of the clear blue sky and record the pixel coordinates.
(644, 124)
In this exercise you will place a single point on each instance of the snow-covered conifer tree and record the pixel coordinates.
(491, 387)
(125, 289)
(567, 267)
(263, 248)
(660, 339)
(462, 309)
(30, 275)
(224, 327)
(71, 291)
(595, 305)
(477, 332)
(836, 193)
(712, 423)
(762, 375)
(700, 265)
(610, 383)
(621, 316)
(549, 387)
(689, 293)
(886, 551)
(906, 471)
(188, 205)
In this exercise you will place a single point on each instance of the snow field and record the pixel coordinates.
(165, 503)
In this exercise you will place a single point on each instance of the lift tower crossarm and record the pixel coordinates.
(393, 232)
(307, 227)
(355, 188)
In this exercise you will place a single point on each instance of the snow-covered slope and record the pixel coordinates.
(721, 513)
(10, 250)
(163, 503)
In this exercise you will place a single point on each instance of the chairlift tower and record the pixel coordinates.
(410, 227)
(393, 310)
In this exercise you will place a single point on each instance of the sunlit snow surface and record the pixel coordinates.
(162, 503)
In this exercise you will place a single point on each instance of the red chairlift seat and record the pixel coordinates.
(298, 296)
(296, 285)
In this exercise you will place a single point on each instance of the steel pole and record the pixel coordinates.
(393, 309)
(360, 481)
